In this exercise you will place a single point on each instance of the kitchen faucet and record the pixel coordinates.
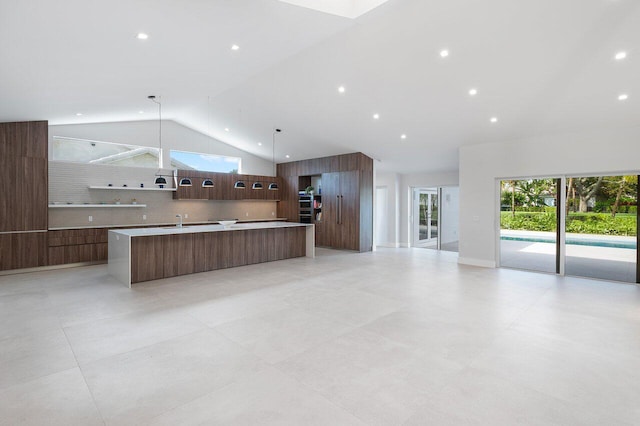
(179, 224)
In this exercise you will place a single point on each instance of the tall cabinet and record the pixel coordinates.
(346, 192)
(24, 189)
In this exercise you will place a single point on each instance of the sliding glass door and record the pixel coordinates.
(601, 227)
(598, 235)
(529, 224)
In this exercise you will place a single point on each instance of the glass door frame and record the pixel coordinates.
(560, 217)
(561, 202)
(415, 216)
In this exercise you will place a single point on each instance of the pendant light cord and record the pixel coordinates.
(153, 99)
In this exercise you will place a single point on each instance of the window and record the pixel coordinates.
(95, 152)
(204, 162)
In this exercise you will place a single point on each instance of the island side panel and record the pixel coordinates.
(311, 241)
(147, 258)
(119, 265)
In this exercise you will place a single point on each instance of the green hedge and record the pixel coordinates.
(579, 223)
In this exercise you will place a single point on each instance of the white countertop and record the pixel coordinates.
(133, 225)
(139, 232)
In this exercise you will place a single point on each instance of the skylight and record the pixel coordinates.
(345, 8)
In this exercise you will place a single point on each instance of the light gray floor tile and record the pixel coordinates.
(58, 399)
(268, 397)
(278, 335)
(132, 388)
(99, 339)
(477, 398)
(35, 355)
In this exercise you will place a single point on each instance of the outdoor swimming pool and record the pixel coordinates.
(593, 241)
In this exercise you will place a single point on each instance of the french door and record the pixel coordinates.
(425, 214)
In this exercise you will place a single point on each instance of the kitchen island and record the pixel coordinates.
(145, 254)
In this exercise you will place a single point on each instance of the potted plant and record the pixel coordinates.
(309, 190)
(116, 200)
(134, 201)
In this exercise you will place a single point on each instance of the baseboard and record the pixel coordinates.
(388, 245)
(476, 262)
(403, 245)
(51, 267)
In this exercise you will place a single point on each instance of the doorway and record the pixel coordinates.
(434, 218)
(425, 213)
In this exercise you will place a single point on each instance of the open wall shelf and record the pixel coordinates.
(75, 206)
(132, 188)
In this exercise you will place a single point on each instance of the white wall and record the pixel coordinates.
(418, 180)
(481, 166)
(387, 230)
(174, 136)
(450, 214)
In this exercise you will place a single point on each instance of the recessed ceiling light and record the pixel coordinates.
(620, 56)
(623, 97)
(226, 129)
(494, 119)
(376, 116)
(403, 136)
(78, 114)
(288, 156)
(142, 36)
(235, 47)
(473, 92)
(444, 53)
(259, 143)
(140, 112)
(341, 89)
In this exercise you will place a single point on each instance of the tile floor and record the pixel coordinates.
(398, 336)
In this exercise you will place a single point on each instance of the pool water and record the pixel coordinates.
(578, 242)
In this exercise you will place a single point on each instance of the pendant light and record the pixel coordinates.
(273, 186)
(160, 179)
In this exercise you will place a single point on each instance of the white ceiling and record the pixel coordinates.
(541, 67)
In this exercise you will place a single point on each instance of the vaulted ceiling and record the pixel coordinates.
(539, 67)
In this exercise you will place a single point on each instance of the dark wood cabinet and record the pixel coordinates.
(148, 263)
(23, 250)
(347, 198)
(178, 255)
(163, 256)
(23, 176)
(77, 245)
(24, 189)
(223, 188)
